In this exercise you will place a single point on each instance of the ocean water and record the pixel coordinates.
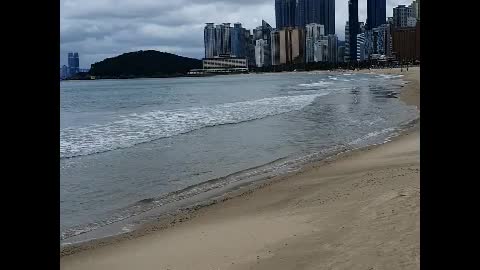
(129, 148)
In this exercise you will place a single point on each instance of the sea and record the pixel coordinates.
(134, 150)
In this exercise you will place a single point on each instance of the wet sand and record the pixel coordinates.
(358, 211)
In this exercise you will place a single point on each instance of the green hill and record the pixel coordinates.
(144, 64)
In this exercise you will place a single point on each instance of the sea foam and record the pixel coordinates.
(140, 128)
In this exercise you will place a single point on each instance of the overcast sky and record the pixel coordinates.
(98, 29)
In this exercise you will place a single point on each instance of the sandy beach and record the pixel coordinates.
(360, 210)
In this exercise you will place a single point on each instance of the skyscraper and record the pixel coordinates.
(260, 59)
(63, 72)
(238, 40)
(218, 39)
(381, 40)
(361, 47)
(313, 33)
(222, 39)
(209, 40)
(275, 47)
(285, 11)
(332, 48)
(353, 28)
(250, 49)
(262, 31)
(376, 13)
(292, 45)
(329, 19)
(321, 50)
(415, 6)
(73, 63)
(226, 42)
(341, 54)
(368, 43)
(317, 11)
(347, 42)
(300, 13)
(262, 48)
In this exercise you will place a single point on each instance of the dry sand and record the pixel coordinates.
(360, 211)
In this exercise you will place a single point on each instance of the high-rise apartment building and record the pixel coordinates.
(313, 33)
(381, 40)
(209, 40)
(227, 39)
(73, 63)
(64, 72)
(415, 6)
(238, 40)
(341, 54)
(260, 53)
(332, 48)
(321, 50)
(353, 28)
(250, 48)
(376, 13)
(275, 47)
(262, 31)
(292, 46)
(218, 39)
(361, 47)
(223, 38)
(401, 14)
(347, 43)
(262, 43)
(368, 48)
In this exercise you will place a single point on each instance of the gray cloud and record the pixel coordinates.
(98, 29)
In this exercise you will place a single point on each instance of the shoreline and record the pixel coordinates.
(170, 219)
(339, 70)
(68, 253)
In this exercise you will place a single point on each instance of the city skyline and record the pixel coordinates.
(98, 29)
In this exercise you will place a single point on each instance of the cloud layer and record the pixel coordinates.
(98, 29)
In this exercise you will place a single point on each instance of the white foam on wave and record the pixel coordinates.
(316, 84)
(371, 135)
(140, 128)
(307, 92)
(388, 76)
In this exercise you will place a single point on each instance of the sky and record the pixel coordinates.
(98, 29)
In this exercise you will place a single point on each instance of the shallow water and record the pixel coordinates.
(128, 147)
